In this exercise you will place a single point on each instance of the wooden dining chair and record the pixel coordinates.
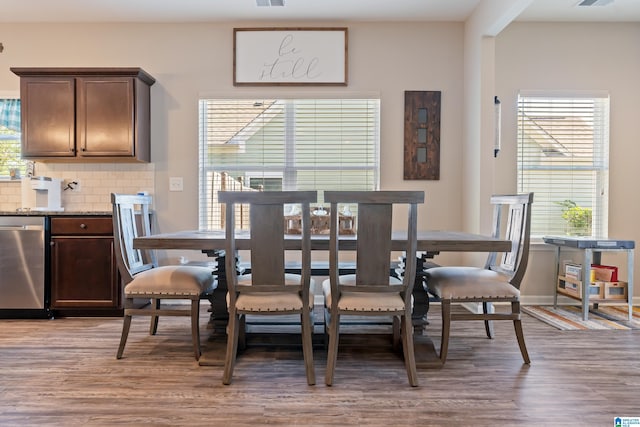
(499, 280)
(144, 280)
(268, 289)
(371, 291)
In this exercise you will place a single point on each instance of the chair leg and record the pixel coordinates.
(397, 331)
(517, 324)
(195, 326)
(242, 333)
(408, 349)
(125, 333)
(327, 321)
(153, 328)
(332, 353)
(446, 326)
(232, 347)
(307, 346)
(488, 324)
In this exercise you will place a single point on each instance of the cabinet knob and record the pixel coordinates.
(83, 226)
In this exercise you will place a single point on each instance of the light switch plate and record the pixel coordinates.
(175, 183)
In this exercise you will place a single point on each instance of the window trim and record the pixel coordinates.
(283, 172)
(11, 95)
(600, 161)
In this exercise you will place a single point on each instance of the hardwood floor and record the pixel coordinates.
(64, 372)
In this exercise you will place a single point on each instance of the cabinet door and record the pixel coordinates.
(105, 116)
(83, 273)
(48, 116)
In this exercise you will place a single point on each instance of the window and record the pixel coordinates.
(563, 157)
(10, 159)
(277, 144)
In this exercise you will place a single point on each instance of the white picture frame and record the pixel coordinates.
(290, 56)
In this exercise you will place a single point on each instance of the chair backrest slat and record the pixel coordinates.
(131, 219)
(517, 229)
(374, 242)
(267, 243)
(374, 233)
(267, 230)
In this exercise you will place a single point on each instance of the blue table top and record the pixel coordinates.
(588, 242)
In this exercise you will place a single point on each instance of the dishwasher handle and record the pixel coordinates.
(21, 227)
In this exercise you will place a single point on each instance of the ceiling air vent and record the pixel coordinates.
(270, 2)
(595, 2)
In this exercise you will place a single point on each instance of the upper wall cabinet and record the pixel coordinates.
(85, 114)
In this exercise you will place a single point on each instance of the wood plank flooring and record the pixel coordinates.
(63, 372)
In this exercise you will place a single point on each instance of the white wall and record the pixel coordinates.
(575, 56)
(385, 59)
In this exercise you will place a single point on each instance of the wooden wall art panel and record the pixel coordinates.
(422, 135)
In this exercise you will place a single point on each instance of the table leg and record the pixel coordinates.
(586, 281)
(215, 347)
(425, 352)
(555, 293)
(420, 306)
(426, 356)
(630, 282)
(420, 294)
(219, 317)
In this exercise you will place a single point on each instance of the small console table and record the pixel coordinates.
(593, 249)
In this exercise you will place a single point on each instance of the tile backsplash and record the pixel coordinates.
(97, 182)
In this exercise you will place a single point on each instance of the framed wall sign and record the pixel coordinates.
(290, 56)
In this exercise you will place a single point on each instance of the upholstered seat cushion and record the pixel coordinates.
(468, 283)
(289, 279)
(271, 301)
(172, 280)
(364, 301)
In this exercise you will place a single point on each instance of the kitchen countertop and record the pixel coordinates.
(55, 213)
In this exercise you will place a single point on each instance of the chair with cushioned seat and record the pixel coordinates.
(143, 279)
(268, 289)
(498, 282)
(372, 291)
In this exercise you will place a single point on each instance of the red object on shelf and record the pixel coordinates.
(605, 273)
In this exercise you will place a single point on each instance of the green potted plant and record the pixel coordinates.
(578, 218)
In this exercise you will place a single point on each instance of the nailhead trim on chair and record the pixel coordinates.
(271, 303)
(177, 294)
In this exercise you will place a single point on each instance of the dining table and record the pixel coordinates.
(430, 243)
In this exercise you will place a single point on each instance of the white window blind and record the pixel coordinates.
(563, 157)
(285, 144)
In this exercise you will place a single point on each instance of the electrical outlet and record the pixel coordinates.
(175, 183)
(71, 185)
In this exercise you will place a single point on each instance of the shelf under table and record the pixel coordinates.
(592, 249)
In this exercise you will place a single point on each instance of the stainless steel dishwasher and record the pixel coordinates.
(22, 267)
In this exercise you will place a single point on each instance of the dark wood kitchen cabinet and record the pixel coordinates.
(85, 114)
(84, 275)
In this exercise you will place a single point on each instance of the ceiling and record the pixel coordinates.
(15, 11)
